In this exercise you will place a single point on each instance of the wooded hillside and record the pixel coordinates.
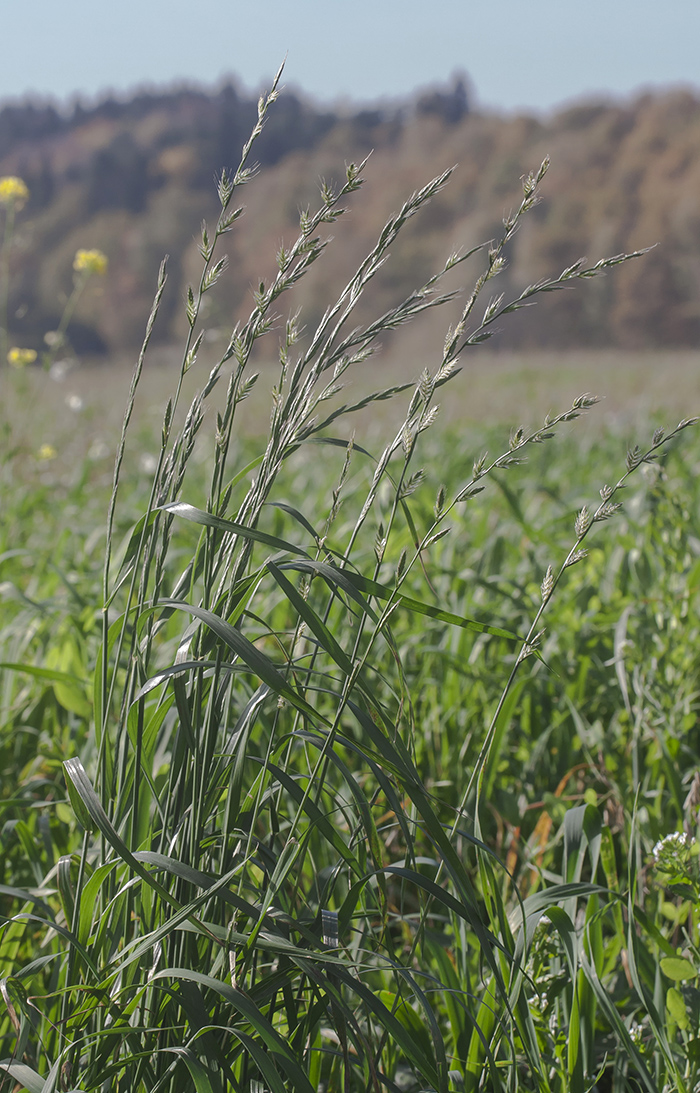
(136, 178)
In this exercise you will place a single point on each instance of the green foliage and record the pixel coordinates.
(386, 777)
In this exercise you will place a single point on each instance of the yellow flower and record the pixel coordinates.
(46, 451)
(90, 261)
(18, 358)
(13, 191)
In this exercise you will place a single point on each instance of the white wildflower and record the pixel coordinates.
(675, 841)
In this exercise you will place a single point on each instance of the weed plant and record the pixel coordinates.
(346, 817)
(14, 195)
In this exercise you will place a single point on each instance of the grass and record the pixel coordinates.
(498, 389)
(359, 772)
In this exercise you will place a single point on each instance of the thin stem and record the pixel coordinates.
(5, 281)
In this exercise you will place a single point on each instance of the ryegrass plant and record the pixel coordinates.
(286, 864)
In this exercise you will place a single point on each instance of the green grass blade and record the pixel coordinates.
(241, 1003)
(198, 516)
(354, 584)
(258, 663)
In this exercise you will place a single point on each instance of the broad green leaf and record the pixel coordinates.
(553, 895)
(64, 933)
(676, 1007)
(89, 900)
(129, 546)
(245, 471)
(82, 814)
(26, 896)
(51, 1080)
(677, 968)
(263, 1060)
(283, 867)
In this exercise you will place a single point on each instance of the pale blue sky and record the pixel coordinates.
(518, 54)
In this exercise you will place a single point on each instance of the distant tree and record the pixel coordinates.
(20, 123)
(451, 105)
(294, 125)
(231, 126)
(42, 183)
(118, 176)
(624, 176)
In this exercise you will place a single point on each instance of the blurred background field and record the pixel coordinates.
(79, 410)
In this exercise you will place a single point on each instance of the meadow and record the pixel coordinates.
(349, 743)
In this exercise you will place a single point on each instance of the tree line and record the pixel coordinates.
(134, 176)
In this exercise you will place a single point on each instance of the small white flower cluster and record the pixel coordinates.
(675, 841)
(537, 1002)
(636, 1033)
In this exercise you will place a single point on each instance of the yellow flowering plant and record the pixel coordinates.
(86, 264)
(19, 358)
(14, 192)
(90, 261)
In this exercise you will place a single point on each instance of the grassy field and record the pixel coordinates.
(351, 750)
(593, 761)
(499, 388)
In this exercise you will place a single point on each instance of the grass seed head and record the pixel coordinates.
(583, 522)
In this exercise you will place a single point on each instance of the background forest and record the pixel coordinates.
(133, 177)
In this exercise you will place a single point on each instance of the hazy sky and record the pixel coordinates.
(518, 54)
